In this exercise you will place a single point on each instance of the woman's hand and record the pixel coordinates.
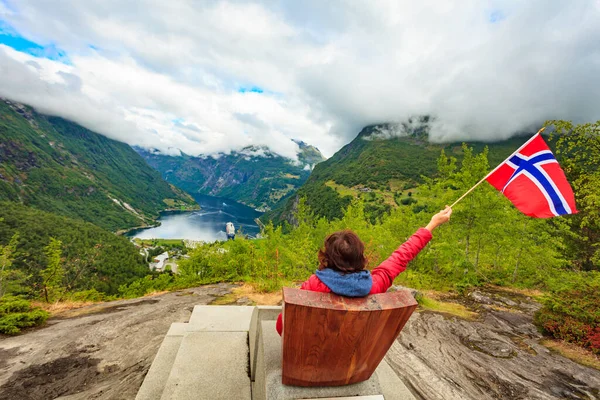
(440, 218)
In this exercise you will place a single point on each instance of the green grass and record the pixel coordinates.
(342, 190)
(159, 242)
(449, 308)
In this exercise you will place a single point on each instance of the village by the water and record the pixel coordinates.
(167, 260)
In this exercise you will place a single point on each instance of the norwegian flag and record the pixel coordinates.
(534, 182)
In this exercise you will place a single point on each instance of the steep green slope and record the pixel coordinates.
(380, 169)
(254, 176)
(93, 258)
(58, 166)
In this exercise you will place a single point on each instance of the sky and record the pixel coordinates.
(209, 77)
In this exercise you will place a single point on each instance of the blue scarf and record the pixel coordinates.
(354, 284)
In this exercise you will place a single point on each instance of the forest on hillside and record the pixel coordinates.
(379, 164)
(50, 258)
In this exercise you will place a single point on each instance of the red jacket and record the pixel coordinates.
(384, 275)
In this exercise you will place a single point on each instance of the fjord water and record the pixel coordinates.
(206, 224)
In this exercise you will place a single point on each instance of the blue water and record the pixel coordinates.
(207, 224)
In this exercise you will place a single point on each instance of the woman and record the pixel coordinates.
(342, 263)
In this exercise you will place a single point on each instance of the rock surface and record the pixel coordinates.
(104, 352)
(497, 356)
(98, 352)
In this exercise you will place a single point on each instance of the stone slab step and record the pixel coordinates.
(261, 313)
(156, 378)
(210, 365)
(392, 386)
(220, 319)
(375, 397)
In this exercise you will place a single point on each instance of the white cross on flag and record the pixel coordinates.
(534, 182)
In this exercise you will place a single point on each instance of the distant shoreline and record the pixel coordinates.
(124, 232)
(168, 211)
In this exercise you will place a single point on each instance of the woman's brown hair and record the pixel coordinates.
(343, 251)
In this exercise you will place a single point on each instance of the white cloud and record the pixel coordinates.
(166, 74)
(389, 131)
(255, 152)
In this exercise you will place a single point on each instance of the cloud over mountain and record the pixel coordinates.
(219, 76)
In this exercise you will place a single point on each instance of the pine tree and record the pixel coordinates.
(8, 275)
(53, 274)
(578, 150)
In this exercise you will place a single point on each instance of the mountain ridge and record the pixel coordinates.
(58, 166)
(382, 162)
(255, 175)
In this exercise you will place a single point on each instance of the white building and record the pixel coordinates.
(159, 261)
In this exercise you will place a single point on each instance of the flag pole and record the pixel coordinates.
(469, 191)
(494, 170)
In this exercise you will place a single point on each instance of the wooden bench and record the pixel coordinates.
(330, 340)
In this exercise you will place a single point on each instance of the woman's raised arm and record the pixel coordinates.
(387, 271)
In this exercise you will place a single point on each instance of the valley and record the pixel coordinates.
(254, 176)
(333, 137)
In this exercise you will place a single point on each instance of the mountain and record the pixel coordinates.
(255, 175)
(308, 155)
(58, 166)
(381, 165)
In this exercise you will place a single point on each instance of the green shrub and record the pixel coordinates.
(149, 284)
(16, 314)
(90, 295)
(572, 313)
(10, 305)
(407, 201)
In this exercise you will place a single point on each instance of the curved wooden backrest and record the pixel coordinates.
(330, 340)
